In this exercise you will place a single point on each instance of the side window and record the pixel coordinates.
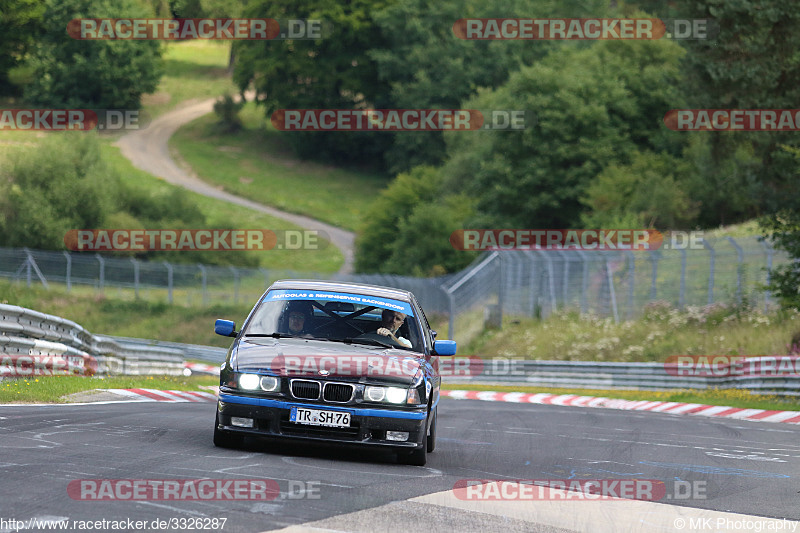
(425, 325)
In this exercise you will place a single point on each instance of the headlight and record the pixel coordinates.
(249, 381)
(394, 395)
(270, 383)
(375, 394)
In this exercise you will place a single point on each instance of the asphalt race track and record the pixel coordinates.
(749, 468)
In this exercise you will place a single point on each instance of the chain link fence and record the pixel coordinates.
(535, 283)
(532, 283)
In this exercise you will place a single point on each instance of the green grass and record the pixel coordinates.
(128, 318)
(256, 163)
(193, 70)
(661, 332)
(53, 389)
(327, 259)
(723, 397)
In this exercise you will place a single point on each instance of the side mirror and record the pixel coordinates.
(226, 328)
(444, 347)
(434, 333)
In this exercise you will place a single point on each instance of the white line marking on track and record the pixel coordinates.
(176, 509)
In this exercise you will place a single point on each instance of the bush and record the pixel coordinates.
(227, 109)
(61, 185)
(408, 227)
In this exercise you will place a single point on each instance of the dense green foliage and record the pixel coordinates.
(65, 185)
(333, 72)
(20, 25)
(407, 229)
(599, 154)
(752, 64)
(784, 229)
(104, 74)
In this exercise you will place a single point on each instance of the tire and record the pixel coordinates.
(225, 439)
(417, 457)
(432, 433)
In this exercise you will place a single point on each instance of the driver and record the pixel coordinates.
(299, 312)
(390, 323)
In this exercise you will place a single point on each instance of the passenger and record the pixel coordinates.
(390, 323)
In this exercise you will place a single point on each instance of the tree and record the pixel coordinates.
(105, 74)
(427, 67)
(653, 191)
(783, 229)
(752, 64)
(596, 106)
(20, 25)
(332, 72)
(407, 228)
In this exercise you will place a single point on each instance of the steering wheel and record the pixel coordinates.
(381, 338)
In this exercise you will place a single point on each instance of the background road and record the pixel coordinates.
(148, 150)
(749, 467)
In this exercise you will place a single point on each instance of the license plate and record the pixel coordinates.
(315, 417)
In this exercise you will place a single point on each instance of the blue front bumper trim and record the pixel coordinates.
(356, 411)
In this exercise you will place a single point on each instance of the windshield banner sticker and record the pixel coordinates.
(385, 303)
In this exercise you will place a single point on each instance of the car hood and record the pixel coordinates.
(326, 360)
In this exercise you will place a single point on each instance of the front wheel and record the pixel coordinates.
(417, 457)
(432, 432)
(225, 439)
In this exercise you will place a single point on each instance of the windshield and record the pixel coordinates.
(334, 316)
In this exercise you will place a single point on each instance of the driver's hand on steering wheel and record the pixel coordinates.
(384, 331)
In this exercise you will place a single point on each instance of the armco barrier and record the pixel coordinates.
(24, 332)
(211, 354)
(31, 341)
(619, 375)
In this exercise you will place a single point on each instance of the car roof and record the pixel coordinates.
(342, 286)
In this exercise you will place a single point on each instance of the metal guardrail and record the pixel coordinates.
(624, 376)
(32, 342)
(25, 333)
(211, 354)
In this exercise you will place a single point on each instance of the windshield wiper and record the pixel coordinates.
(372, 342)
(273, 335)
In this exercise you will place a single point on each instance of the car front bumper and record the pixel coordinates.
(368, 424)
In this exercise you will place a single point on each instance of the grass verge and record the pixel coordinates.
(724, 397)
(255, 163)
(662, 331)
(218, 213)
(137, 318)
(193, 70)
(53, 389)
